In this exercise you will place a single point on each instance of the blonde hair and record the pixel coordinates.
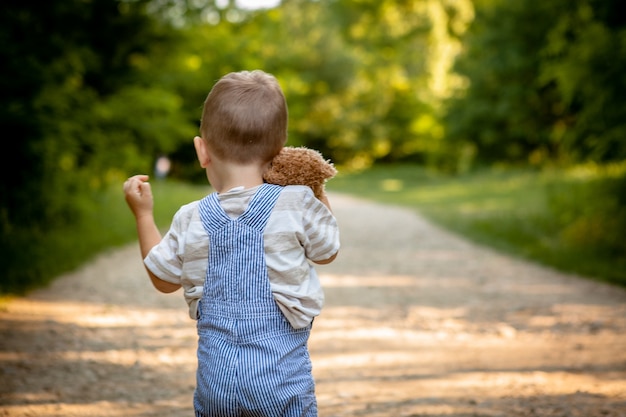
(245, 117)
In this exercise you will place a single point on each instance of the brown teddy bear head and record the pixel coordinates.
(300, 166)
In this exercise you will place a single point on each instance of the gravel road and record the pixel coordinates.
(418, 322)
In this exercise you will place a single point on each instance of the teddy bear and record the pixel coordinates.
(300, 166)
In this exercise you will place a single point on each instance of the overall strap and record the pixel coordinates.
(256, 214)
(211, 213)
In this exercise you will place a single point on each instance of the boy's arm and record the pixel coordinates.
(149, 237)
(324, 199)
(327, 261)
(139, 198)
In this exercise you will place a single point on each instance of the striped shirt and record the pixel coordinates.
(299, 229)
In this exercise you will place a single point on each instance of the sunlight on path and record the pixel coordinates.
(422, 323)
(418, 322)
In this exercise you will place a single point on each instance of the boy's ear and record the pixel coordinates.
(202, 151)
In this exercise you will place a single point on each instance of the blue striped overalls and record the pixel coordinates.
(251, 361)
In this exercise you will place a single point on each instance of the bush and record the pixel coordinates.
(591, 212)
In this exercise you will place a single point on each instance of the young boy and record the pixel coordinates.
(242, 256)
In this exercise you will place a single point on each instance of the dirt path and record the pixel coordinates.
(418, 322)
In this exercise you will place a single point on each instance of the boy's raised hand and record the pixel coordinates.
(138, 195)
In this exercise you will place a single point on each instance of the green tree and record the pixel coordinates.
(364, 80)
(544, 83)
(68, 65)
(504, 113)
(77, 112)
(585, 58)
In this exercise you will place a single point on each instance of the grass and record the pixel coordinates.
(570, 220)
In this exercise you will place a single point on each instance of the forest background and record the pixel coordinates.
(95, 90)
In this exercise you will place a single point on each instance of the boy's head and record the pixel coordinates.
(245, 117)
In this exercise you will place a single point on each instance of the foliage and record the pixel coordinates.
(585, 58)
(74, 100)
(545, 83)
(533, 214)
(363, 79)
(79, 115)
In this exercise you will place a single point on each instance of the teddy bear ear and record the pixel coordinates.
(329, 170)
(326, 168)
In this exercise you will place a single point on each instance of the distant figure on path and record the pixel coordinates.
(162, 167)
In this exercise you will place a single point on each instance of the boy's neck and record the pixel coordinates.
(225, 176)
